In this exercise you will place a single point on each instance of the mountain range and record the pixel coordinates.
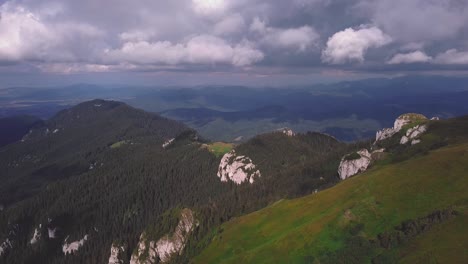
(103, 182)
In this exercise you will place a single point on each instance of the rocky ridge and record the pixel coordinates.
(358, 162)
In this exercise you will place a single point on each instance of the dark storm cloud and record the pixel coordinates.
(233, 35)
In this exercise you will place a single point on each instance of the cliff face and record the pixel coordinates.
(350, 167)
(169, 244)
(237, 168)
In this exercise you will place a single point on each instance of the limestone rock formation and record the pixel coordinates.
(237, 168)
(412, 134)
(36, 236)
(116, 254)
(168, 245)
(399, 123)
(349, 167)
(69, 248)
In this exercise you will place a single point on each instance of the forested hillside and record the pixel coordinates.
(103, 173)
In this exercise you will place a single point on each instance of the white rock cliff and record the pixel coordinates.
(349, 168)
(399, 123)
(237, 168)
(169, 244)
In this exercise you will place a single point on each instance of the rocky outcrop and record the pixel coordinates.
(51, 232)
(168, 143)
(385, 133)
(168, 245)
(5, 246)
(349, 167)
(412, 134)
(69, 248)
(287, 131)
(36, 236)
(116, 254)
(237, 168)
(399, 123)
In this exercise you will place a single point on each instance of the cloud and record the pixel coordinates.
(258, 26)
(417, 20)
(230, 25)
(286, 36)
(28, 36)
(350, 45)
(407, 58)
(300, 38)
(452, 56)
(210, 7)
(203, 49)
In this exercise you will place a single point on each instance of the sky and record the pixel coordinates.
(250, 42)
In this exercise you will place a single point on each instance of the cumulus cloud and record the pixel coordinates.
(350, 45)
(178, 34)
(412, 57)
(28, 36)
(452, 56)
(203, 49)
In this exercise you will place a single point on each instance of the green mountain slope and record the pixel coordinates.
(393, 212)
(103, 169)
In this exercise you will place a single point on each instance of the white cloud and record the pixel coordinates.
(350, 45)
(452, 56)
(412, 57)
(230, 25)
(210, 7)
(300, 38)
(203, 49)
(28, 36)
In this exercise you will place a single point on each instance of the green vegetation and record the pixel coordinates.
(317, 227)
(220, 148)
(352, 156)
(118, 144)
(77, 180)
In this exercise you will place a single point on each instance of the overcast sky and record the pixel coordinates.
(258, 42)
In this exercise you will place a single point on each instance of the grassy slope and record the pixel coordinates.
(292, 230)
(220, 148)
